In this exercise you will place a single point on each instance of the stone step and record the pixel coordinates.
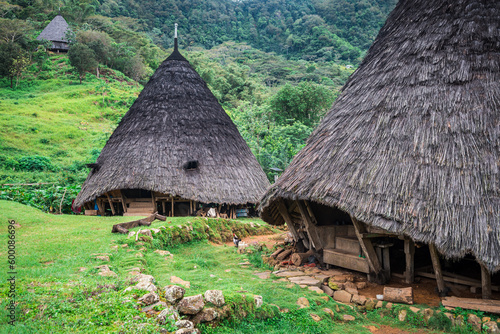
(346, 260)
(348, 244)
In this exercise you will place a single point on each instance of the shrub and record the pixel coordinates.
(8, 162)
(35, 163)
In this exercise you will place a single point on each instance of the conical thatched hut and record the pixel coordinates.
(173, 150)
(55, 32)
(410, 148)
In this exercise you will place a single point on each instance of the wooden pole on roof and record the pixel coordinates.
(485, 282)
(437, 269)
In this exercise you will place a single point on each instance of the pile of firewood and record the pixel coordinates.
(290, 256)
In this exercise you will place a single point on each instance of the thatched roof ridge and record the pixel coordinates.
(176, 119)
(412, 145)
(56, 30)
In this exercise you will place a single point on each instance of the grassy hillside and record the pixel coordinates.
(52, 115)
(51, 125)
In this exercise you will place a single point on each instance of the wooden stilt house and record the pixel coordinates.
(175, 150)
(409, 152)
(56, 32)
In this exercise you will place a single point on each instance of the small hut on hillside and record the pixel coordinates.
(410, 149)
(55, 32)
(174, 151)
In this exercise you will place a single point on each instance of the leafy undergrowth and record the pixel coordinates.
(59, 291)
(198, 229)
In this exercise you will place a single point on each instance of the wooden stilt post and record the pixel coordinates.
(172, 212)
(153, 200)
(409, 273)
(288, 220)
(368, 249)
(437, 269)
(100, 206)
(163, 206)
(485, 282)
(110, 204)
(123, 202)
(312, 230)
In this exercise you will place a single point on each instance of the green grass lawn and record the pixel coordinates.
(58, 289)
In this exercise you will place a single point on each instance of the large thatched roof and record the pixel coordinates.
(176, 120)
(412, 145)
(55, 31)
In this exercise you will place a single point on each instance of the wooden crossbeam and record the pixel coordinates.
(110, 204)
(288, 220)
(311, 229)
(366, 246)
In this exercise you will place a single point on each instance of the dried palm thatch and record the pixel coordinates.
(176, 139)
(55, 32)
(412, 145)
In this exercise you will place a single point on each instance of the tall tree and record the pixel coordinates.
(82, 58)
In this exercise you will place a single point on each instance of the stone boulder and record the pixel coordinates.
(215, 297)
(173, 293)
(184, 324)
(491, 327)
(303, 302)
(206, 315)
(475, 321)
(143, 278)
(149, 299)
(187, 331)
(191, 305)
(168, 313)
(258, 301)
(342, 296)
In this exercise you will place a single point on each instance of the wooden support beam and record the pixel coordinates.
(153, 200)
(367, 246)
(387, 260)
(288, 220)
(409, 249)
(485, 282)
(490, 306)
(164, 207)
(312, 231)
(437, 269)
(172, 212)
(110, 204)
(122, 198)
(102, 212)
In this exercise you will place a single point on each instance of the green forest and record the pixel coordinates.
(275, 66)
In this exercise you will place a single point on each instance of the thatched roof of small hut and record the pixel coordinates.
(176, 139)
(412, 145)
(55, 31)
